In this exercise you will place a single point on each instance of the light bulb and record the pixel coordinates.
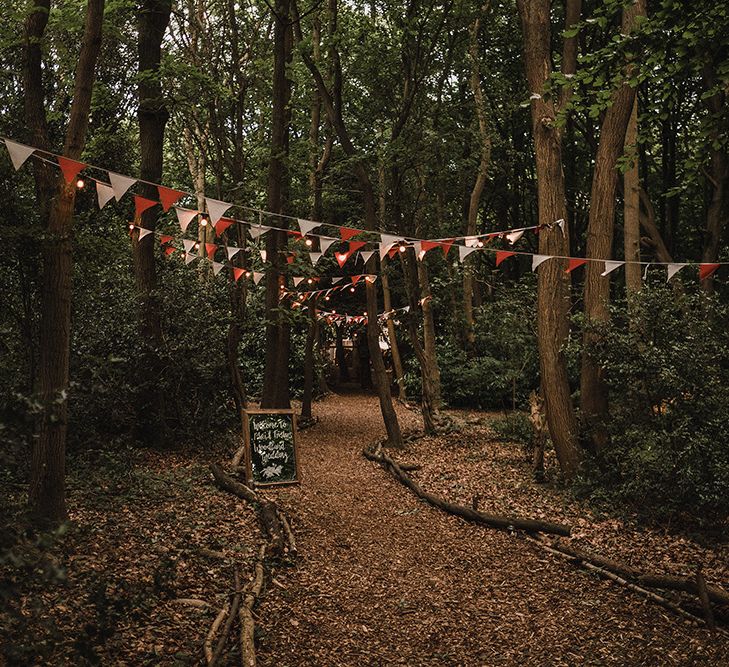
(131, 226)
(403, 248)
(197, 246)
(326, 298)
(203, 222)
(80, 183)
(351, 289)
(308, 242)
(310, 281)
(248, 274)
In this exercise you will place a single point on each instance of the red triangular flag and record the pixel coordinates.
(169, 250)
(574, 263)
(348, 233)
(428, 245)
(342, 258)
(222, 224)
(168, 197)
(705, 270)
(354, 246)
(393, 252)
(290, 259)
(141, 204)
(211, 248)
(446, 245)
(165, 239)
(355, 279)
(501, 255)
(237, 273)
(70, 168)
(293, 232)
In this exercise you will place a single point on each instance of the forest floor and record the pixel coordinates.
(381, 578)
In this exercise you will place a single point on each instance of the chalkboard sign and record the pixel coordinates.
(272, 455)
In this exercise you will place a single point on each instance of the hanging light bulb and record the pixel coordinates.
(403, 247)
(326, 298)
(197, 246)
(131, 226)
(203, 221)
(80, 183)
(308, 242)
(310, 281)
(248, 274)
(351, 289)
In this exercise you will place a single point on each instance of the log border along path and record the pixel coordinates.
(384, 579)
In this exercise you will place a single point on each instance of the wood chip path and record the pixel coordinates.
(383, 579)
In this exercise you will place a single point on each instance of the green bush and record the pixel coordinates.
(668, 372)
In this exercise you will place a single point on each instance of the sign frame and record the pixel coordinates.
(245, 414)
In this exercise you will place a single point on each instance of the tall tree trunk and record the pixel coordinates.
(601, 225)
(278, 334)
(46, 494)
(311, 336)
(480, 183)
(392, 336)
(553, 287)
(631, 207)
(431, 354)
(154, 15)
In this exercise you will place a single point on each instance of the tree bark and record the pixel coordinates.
(631, 208)
(311, 336)
(46, 494)
(392, 336)
(553, 295)
(278, 333)
(601, 225)
(154, 15)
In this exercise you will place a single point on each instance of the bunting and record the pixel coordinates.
(104, 193)
(216, 209)
(120, 184)
(185, 217)
(70, 168)
(141, 204)
(168, 197)
(19, 153)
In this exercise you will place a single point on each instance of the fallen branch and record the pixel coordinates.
(192, 602)
(293, 551)
(245, 613)
(505, 523)
(212, 632)
(220, 647)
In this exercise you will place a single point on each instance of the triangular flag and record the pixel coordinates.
(168, 197)
(70, 168)
(307, 225)
(446, 245)
(355, 279)
(232, 251)
(513, 237)
(141, 204)
(705, 270)
(673, 269)
(324, 243)
(297, 280)
(255, 232)
(188, 244)
(217, 268)
(222, 224)
(347, 233)
(237, 273)
(418, 249)
(501, 255)
(189, 257)
(389, 238)
(184, 217)
(370, 277)
(645, 273)
(354, 246)
(169, 250)
(257, 277)
(428, 245)
(19, 153)
(165, 239)
(610, 266)
(143, 232)
(574, 263)
(539, 259)
(263, 255)
(464, 251)
(315, 257)
(561, 224)
(337, 279)
(290, 258)
(211, 248)
(120, 184)
(471, 241)
(104, 193)
(384, 249)
(216, 209)
(342, 258)
(366, 255)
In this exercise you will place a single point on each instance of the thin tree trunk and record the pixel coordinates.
(431, 354)
(278, 334)
(154, 15)
(553, 286)
(601, 225)
(311, 336)
(631, 208)
(392, 336)
(480, 183)
(46, 494)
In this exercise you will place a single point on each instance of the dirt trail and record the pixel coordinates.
(383, 579)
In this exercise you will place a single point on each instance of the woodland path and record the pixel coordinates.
(383, 579)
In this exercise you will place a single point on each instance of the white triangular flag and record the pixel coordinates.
(104, 192)
(257, 277)
(561, 224)
(143, 232)
(418, 249)
(297, 280)
(513, 237)
(324, 243)
(315, 257)
(189, 257)
(263, 255)
(370, 277)
(389, 238)
(406, 309)
(336, 280)
(384, 249)
(120, 184)
(19, 153)
(258, 231)
(539, 259)
(189, 245)
(464, 251)
(231, 251)
(216, 209)
(610, 266)
(366, 254)
(673, 269)
(217, 268)
(645, 273)
(307, 225)
(184, 216)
